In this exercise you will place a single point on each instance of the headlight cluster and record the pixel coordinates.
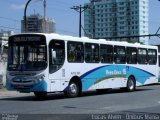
(39, 78)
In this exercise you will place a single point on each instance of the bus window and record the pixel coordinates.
(131, 55)
(152, 56)
(75, 52)
(91, 53)
(106, 53)
(142, 56)
(119, 55)
(56, 55)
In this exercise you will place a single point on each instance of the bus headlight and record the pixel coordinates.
(39, 79)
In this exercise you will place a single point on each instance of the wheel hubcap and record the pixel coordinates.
(73, 89)
(131, 84)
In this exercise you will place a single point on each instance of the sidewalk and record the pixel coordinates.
(8, 94)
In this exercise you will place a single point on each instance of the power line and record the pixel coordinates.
(11, 19)
(1, 26)
(61, 30)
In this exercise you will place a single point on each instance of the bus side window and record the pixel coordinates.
(119, 55)
(75, 51)
(106, 53)
(91, 53)
(71, 53)
(152, 56)
(131, 55)
(142, 56)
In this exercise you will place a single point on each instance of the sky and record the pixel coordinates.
(67, 20)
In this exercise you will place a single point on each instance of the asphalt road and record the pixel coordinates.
(145, 100)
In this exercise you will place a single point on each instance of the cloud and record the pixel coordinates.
(17, 6)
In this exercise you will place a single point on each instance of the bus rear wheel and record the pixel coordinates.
(73, 90)
(40, 95)
(131, 85)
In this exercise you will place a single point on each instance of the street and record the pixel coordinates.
(145, 99)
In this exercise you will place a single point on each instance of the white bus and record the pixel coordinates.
(44, 63)
(159, 66)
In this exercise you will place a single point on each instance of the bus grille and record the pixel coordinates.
(22, 81)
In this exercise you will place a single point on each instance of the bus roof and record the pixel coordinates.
(51, 36)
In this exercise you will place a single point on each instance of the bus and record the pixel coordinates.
(159, 66)
(45, 63)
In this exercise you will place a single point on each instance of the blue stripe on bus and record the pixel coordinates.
(91, 71)
(101, 73)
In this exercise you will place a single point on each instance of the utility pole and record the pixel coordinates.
(45, 25)
(80, 9)
(25, 18)
(44, 5)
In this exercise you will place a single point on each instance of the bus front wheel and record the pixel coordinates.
(73, 90)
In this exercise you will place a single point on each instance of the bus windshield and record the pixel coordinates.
(27, 53)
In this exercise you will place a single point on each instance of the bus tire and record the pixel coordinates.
(40, 95)
(131, 84)
(73, 89)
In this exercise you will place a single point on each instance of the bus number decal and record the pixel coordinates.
(63, 72)
(75, 73)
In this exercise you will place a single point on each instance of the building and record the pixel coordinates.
(4, 35)
(116, 18)
(37, 23)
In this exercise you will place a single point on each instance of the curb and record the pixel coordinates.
(4, 93)
(2, 88)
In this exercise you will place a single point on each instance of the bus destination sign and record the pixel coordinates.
(27, 38)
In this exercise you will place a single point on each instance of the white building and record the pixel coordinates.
(4, 35)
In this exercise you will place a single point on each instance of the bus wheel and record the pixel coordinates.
(40, 95)
(73, 90)
(131, 85)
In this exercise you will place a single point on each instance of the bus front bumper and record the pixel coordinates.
(27, 88)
